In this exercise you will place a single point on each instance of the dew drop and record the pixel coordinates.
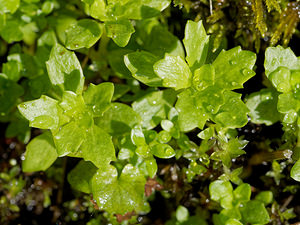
(232, 62)
(234, 84)
(23, 157)
(247, 72)
(57, 137)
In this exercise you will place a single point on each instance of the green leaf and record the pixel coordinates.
(116, 62)
(242, 193)
(84, 34)
(263, 106)
(182, 213)
(204, 77)
(40, 153)
(98, 97)
(154, 107)
(72, 104)
(48, 7)
(233, 222)
(42, 113)
(157, 40)
(141, 65)
(97, 9)
(137, 136)
(9, 93)
(196, 44)
(11, 32)
(98, 147)
(174, 72)
(234, 147)
(163, 151)
(233, 113)
(221, 191)
(80, 177)
(9, 6)
(118, 119)
(295, 171)
(288, 105)
(65, 70)
(157, 4)
(151, 166)
(18, 127)
(279, 57)
(39, 85)
(232, 213)
(12, 70)
(265, 196)
(2, 22)
(120, 31)
(62, 23)
(280, 79)
(119, 194)
(189, 115)
(233, 68)
(69, 138)
(210, 99)
(254, 212)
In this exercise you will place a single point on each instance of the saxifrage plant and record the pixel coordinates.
(171, 101)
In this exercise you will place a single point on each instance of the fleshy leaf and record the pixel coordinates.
(204, 77)
(295, 171)
(182, 213)
(69, 138)
(154, 107)
(221, 191)
(210, 99)
(10, 92)
(98, 97)
(11, 32)
(263, 107)
(233, 113)
(265, 196)
(158, 40)
(97, 9)
(196, 44)
(254, 212)
(40, 153)
(140, 65)
(116, 62)
(42, 113)
(233, 68)
(280, 79)
(242, 193)
(189, 115)
(80, 177)
(65, 70)
(72, 104)
(174, 72)
(120, 31)
(98, 147)
(278, 56)
(289, 106)
(84, 34)
(163, 151)
(9, 6)
(118, 119)
(119, 194)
